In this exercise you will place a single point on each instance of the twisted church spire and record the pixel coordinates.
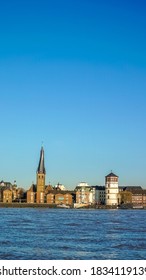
(41, 166)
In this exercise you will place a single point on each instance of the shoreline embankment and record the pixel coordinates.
(55, 206)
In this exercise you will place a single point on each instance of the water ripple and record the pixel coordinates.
(72, 234)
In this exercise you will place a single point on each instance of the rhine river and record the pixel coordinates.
(67, 234)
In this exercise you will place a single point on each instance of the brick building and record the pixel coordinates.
(7, 196)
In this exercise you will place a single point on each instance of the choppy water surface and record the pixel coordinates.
(72, 234)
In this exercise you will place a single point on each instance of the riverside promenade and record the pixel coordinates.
(55, 206)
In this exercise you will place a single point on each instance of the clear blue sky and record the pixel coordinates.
(73, 75)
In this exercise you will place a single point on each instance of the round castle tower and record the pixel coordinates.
(111, 189)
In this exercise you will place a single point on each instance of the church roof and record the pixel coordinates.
(41, 166)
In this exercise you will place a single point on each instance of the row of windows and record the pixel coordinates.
(112, 179)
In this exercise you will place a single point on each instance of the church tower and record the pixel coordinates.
(41, 178)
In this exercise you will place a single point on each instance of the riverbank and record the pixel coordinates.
(27, 205)
(46, 205)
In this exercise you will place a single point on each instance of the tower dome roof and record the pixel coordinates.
(111, 175)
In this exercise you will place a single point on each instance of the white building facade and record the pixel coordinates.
(100, 195)
(85, 194)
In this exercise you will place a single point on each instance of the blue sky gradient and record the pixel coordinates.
(73, 75)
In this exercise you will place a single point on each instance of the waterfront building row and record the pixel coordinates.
(109, 195)
(82, 195)
(52, 197)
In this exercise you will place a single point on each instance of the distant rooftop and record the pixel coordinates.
(111, 175)
(83, 184)
(101, 188)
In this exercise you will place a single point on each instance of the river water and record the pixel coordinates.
(67, 234)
